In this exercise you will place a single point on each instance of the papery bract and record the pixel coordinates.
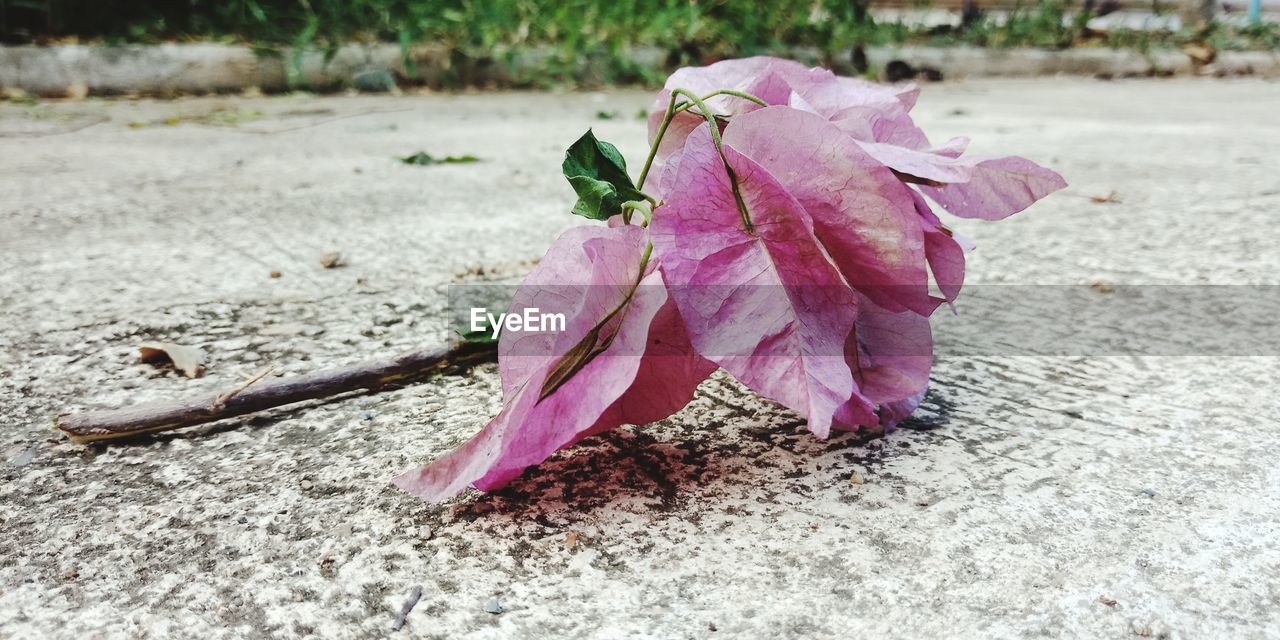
(614, 386)
(765, 303)
(975, 187)
(863, 215)
(877, 117)
(586, 273)
(890, 355)
(769, 79)
(943, 249)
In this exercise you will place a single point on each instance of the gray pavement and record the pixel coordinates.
(1062, 497)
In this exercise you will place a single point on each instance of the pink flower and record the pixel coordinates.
(788, 245)
(640, 367)
(876, 117)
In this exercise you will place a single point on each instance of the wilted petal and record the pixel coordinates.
(531, 427)
(766, 305)
(973, 187)
(907, 94)
(866, 111)
(672, 143)
(952, 148)
(895, 353)
(586, 273)
(944, 250)
(998, 188)
(891, 413)
(727, 74)
(770, 79)
(861, 212)
(669, 374)
(924, 165)
(646, 370)
(890, 355)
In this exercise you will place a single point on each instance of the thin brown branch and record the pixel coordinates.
(243, 399)
(56, 132)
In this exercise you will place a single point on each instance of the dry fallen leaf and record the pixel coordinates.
(188, 360)
(1110, 198)
(854, 479)
(1110, 602)
(1102, 286)
(331, 260)
(570, 540)
(1200, 53)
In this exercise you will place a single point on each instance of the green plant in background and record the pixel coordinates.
(592, 41)
(425, 159)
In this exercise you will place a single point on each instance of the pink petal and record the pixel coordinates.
(669, 374)
(672, 143)
(863, 214)
(999, 188)
(952, 148)
(920, 163)
(586, 273)
(865, 110)
(891, 413)
(895, 353)
(890, 355)
(739, 75)
(647, 371)
(768, 306)
(769, 79)
(944, 250)
(986, 188)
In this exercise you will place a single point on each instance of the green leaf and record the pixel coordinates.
(598, 174)
(425, 159)
(483, 336)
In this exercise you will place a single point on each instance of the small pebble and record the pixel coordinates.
(23, 459)
(374, 81)
(493, 606)
(250, 356)
(367, 415)
(307, 485)
(1149, 492)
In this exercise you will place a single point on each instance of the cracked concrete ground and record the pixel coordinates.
(1031, 496)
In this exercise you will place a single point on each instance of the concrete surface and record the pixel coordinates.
(1103, 497)
(168, 69)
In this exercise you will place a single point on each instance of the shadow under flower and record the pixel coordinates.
(728, 444)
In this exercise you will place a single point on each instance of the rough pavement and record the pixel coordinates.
(1032, 496)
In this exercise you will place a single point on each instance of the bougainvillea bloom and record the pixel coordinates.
(781, 231)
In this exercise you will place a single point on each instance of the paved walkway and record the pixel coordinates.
(1064, 497)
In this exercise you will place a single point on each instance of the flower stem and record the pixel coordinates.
(637, 205)
(657, 140)
(673, 109)
(715, 138)
(724, 92)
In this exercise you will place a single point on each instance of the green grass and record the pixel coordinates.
(588, 39)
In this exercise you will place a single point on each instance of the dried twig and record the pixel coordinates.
(56, 132)
(271, 132)
(221, 399)
(250, 398)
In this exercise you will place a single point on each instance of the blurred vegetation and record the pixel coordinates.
(597, 33)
